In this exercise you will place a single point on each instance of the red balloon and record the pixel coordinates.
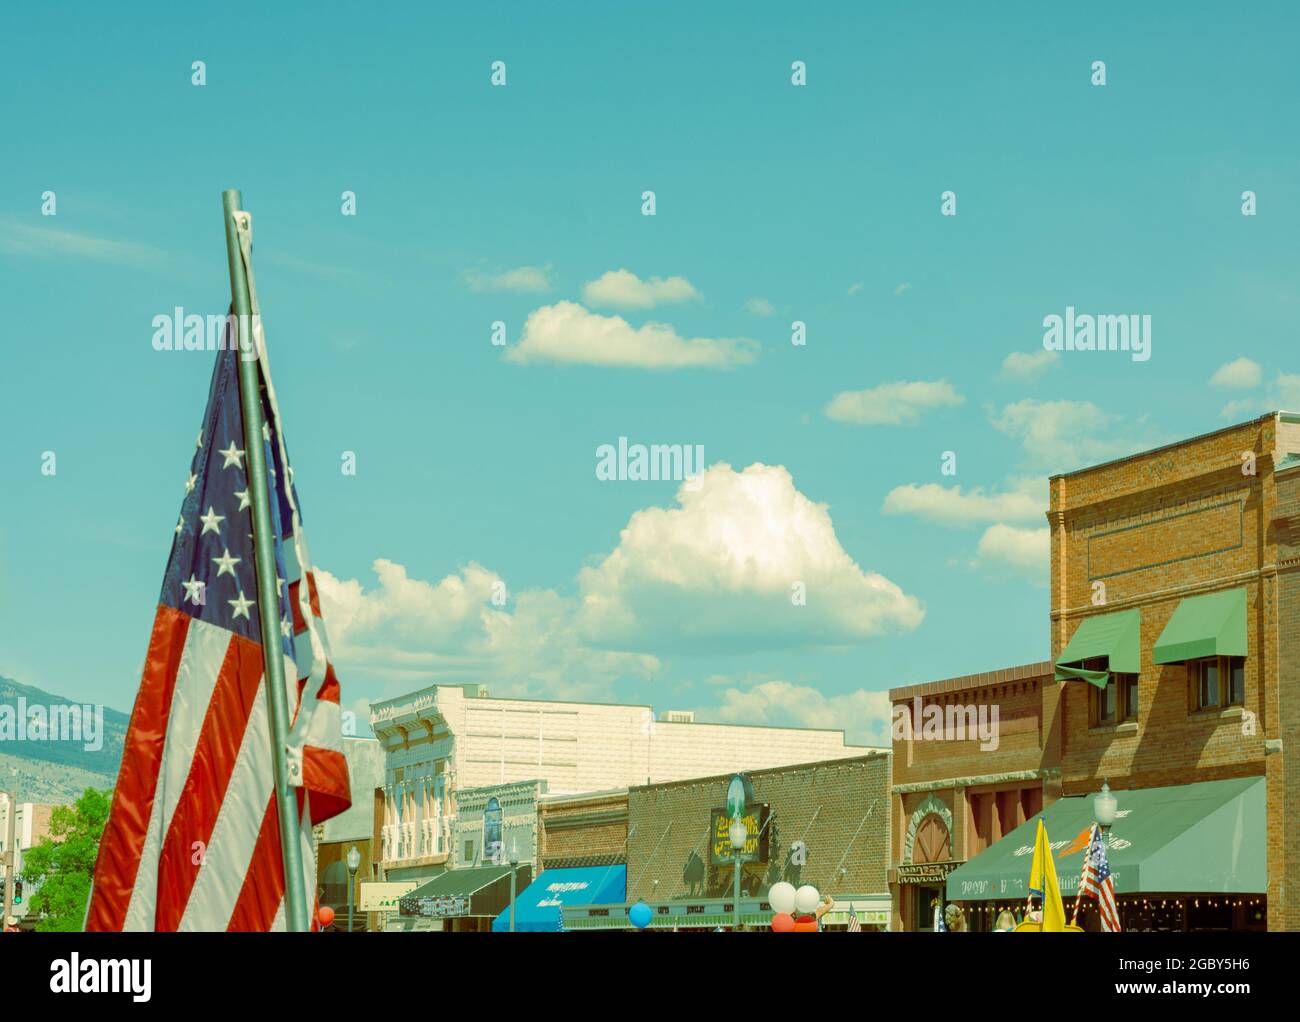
(325, 915)
(805, 924)
(783, 922)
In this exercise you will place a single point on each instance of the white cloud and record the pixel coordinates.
(891, 404)
(521, 280)
(1064, 435)
(760, 307)
(854, 287)
(1283, 394)
(623, 289)
(1028, 366)
(718, 571)
(1025, 501)
(902, 289)
(865, 717)
(1239, 374)
(1026, 552)
(407, 632)
(43, 241)
(567, 332)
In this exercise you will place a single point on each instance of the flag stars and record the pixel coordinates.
(189, 483)
(180, 525)
(239, 607)
(226, 564)
(211, 522)
(232, 456)
(266, 432)
(193, 591)
(285, 628)
(243, 499)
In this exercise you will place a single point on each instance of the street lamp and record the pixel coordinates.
(1103, 806)
(514, 866)
(738, 833)
(354, 863)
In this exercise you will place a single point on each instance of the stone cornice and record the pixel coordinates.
(1040, 774)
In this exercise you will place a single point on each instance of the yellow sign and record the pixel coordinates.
(383, 897)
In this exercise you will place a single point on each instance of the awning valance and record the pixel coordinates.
(540, 906)
(1117, 637)
(1207, 837)
(1209, 625)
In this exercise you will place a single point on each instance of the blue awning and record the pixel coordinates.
(537, 906)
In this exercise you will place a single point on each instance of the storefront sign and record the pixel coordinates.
(755, 821)
(925, 872)
(383, 897)
(441, 907)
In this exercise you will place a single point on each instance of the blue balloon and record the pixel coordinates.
(639, 914)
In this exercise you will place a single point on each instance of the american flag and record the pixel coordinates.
(193, 838)
(854, 925)
(1097, 883)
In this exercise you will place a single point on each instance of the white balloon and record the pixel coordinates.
(782, 897)
(806, 899)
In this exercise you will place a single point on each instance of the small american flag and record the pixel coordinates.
(1097, 882)
(193, 838)
(854, 925)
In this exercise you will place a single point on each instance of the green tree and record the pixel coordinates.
(59, 869)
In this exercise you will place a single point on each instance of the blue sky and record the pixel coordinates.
(774, 203)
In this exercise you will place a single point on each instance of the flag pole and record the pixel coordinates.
(268, 603)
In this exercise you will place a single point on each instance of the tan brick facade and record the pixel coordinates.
(583, 830)
(839, 809)
(1202, 516)
(954, 792)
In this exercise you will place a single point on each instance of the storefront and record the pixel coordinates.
(1186, 857)
(538, 908)
(460, 900)
(871, 910)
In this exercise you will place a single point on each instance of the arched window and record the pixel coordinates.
(493, 844)
(932, 842)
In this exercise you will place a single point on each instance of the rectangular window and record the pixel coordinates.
(1205, 678)
(1127, 695)
(1237, 680)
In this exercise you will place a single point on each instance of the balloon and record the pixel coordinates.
(783, 922)
(805, 925)
(325, 915)
(639, 914)
(781, 898)
(806, 899)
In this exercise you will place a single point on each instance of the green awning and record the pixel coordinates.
(484, 890)
(1209, 625)
(1116, 636)
(1204, 838)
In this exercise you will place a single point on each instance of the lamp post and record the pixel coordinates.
(738, 834)
(514, 867)
(1104, 806)
(354, 863)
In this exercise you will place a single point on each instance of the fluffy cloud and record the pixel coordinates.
(1064, 435)
(864, 716)
(718, 572)
(623, 289)
(405, 632)
(1026, 552)
(760, 307)
(521, 280)
(1028, 366)
(1283, 394)
(1025, 501)
(567, 332)
(1239, 374)
(891, 404)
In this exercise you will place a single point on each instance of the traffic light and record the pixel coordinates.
(18, 892)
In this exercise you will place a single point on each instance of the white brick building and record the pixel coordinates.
(450, 737)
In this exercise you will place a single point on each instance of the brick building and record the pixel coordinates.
(589, 829)
(824, 823)
(974, 758)
(1175, 606)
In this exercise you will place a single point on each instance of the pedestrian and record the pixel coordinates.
(1005, 923)
(954, 919)
(11, 925)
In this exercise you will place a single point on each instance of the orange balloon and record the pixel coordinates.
(325, 915)
(783, 922)
(805, 925)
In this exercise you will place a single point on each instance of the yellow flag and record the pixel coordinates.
(1042, 877)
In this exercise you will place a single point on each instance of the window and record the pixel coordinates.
(493, 846)
(1118, 701)
(1217, 681)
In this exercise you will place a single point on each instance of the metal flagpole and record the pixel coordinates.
(268, 603)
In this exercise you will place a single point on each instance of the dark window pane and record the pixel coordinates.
(1209, 683)
(1238, 680)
